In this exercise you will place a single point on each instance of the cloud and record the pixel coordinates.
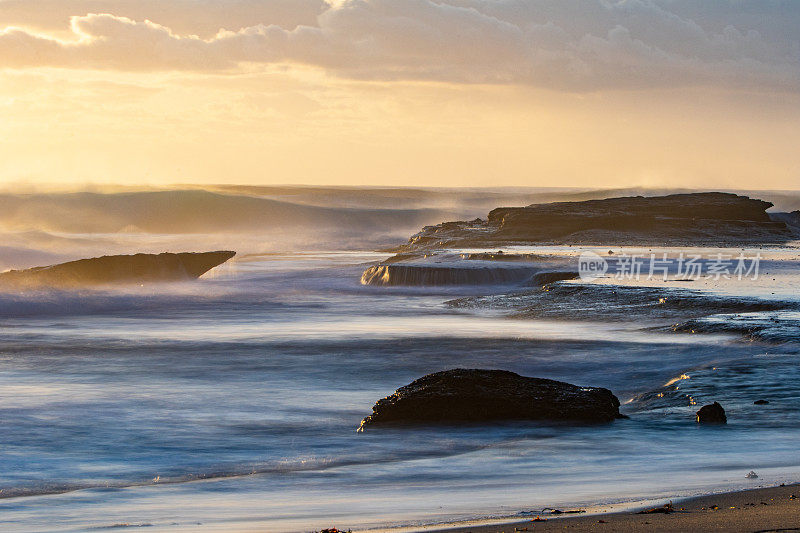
(566, 45)
(194, 17)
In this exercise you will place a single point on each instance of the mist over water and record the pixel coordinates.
(40, 227)
(233, 401)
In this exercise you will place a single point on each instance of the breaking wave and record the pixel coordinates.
(193, 211)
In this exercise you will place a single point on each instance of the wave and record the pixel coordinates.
(614, 302)
(735, 383)
(305, 464)
(687, 311)
(178, 299)
(190, 211)
(471, 202)
(774, 327)
(25, 257)
(222, 208)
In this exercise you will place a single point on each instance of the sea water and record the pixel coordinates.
(232, 402)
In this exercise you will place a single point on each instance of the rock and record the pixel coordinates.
(463, 273)
(462, 395)
(696, 218)
(117, 269)
(664, 509)
(760, 402)
(466, 268)
(712, 414)
(546, 278)
(751, 475)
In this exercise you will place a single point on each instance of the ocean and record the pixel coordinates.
(232, 402)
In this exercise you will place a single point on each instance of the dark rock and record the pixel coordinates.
(463, 395)
(664, 509)
(432, 275)
(117, 269)
(761, 402)
(613, 213)
(559, 511)
(499, 255)
(545, 278)
(696, 218)
(712, 414)
(480, 268)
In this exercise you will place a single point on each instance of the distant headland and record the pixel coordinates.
(707, 218)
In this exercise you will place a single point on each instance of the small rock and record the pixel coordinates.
(712, 414)
(761, 402)
(751, 475)
(666, 509)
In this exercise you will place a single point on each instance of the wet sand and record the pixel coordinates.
(758, 510)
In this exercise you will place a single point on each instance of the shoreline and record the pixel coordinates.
(759, 510)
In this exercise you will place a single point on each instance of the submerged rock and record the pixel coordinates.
(474, 395)
(761, 402)
(712, 414)
(117, 269)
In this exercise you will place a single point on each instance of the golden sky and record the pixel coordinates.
(401, 92)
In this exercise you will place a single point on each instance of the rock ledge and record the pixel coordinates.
(117, 270)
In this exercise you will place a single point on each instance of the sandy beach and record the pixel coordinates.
(757, 510)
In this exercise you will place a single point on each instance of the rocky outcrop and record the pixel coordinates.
(696, 218)
(712, 414)
(479, 268)
(463, 395)
(117, 269)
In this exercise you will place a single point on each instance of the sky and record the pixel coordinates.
(590, 93)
